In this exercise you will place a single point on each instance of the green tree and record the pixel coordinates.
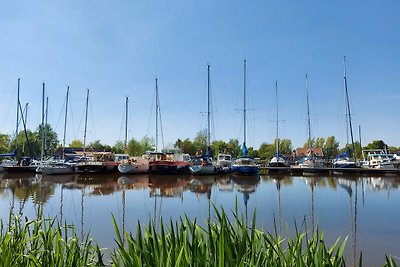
(200, 141)
(320, 142)
(118, 147)
(186, 146)
(50, 137)
(135, 148)
(27, 144)
(285, 146)
(266, 151)
(4, 143)
(76, 144)
(218, 146)
(233, 148)
(147, 144)
(253, 152)
(376, 144)
(331, 147)
(97, 145)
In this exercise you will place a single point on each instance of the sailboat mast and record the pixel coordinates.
(43, 126)
(126, 122)
(348, 105)
(208, 107)
(65, 121)
(308, 114)
(86, 115)
(277, 119)
(18, 106)
(157, 107)
(244, 101)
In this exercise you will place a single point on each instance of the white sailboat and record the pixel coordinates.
(134, 164)
(203, 164)
(61, 167)
(310, 164)
(278, 160)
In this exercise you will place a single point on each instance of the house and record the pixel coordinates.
(307, 152)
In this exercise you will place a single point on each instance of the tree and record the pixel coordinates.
(253, 152)
(331, 147)
(147, 144)
(4, 143)
(186, 146)
(376, 144)
(76, 144)
(135, 148)
(219, 146)
(50, 137)
(97, 145)
(320, 142)
(233, 147)
(200, 141)
(266, 151)
(118, 147)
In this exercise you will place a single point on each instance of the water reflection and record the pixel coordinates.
(331, 202)
(246, 185)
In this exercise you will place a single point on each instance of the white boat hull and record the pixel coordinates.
(203, 170)
(133, 168)
(67, 169)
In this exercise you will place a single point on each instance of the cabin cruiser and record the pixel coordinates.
(377, 159)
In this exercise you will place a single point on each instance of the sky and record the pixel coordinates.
(117, 49)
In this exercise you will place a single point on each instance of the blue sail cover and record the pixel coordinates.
(344, 155)
(208, 152)
(244, 149)
(13, 154)
(278, 155)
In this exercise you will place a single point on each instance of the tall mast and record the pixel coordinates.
(65, 121)
(45, 118)
(18, 106)
(359, 135)
(348, 105)
(308, 114)
(208, 108)
(86, 115)
(43, 126)
(157, 109)
(244, 101)
(277, 119)
(126, 122)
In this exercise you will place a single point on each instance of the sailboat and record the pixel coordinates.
(134, 164)
(62, 166)
(278, 160)
(203, 164)
(310, 164)
(166, 162)
(343, 161)
(244, 165)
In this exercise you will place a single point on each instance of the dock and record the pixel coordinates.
(295, 170)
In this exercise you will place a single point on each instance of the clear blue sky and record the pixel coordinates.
(117, 48)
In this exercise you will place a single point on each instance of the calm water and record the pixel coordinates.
(365, 209)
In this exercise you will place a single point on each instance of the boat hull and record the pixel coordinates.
(133, 168)
(160, 168)
(203, 170)
(244, 170)
(20, 169)
(52, 170)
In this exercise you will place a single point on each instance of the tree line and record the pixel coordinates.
(29, 143)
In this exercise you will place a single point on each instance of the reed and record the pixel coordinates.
(223, 243)
(44, 242)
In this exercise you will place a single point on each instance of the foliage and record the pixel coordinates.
(118, 147)
(223, 243)
(97, 145)
(331, 147)
(200, 141)
(266, 151)
(76, 144)
(4, 143)
(376, 144)
(43, 242)
(50, 137)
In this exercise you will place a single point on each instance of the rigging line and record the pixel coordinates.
(151, 114)
(92, 117)
(122, 128)
(72, 114)
(62, 112)
(76, 134)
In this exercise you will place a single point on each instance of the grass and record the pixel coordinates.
(225, 242)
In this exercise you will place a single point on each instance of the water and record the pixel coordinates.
(364, 209)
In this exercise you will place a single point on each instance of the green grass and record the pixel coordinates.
(225, 242)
